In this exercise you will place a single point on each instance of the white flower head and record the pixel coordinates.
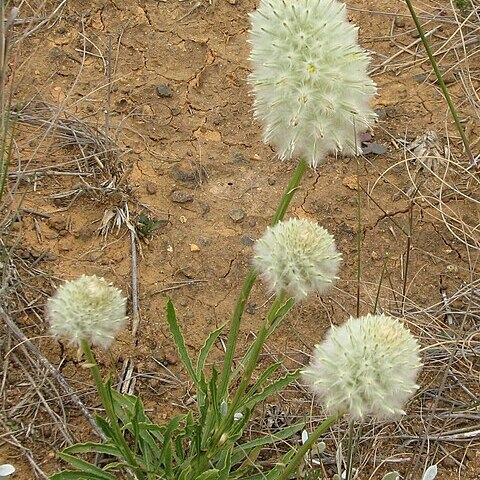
(88, 308)
(297, 256)
(367, 367)
(309, 78)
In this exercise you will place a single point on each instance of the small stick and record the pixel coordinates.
(52, 370)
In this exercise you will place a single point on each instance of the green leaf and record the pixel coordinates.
(180, 342)
(104, 426)
(281, 312)
(208, 475)
(92, 447)
(205, 350)
(75, 475)
(186, 473)
(263, 378)
(242, 450)
(166, 452)
(274, 472)
(86, 467)
(273, 388)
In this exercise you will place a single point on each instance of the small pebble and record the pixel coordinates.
(181, 197)
(448, 78)
(151, 188)
(194, 247)
(204, 241)
(238, 157)
(237, 215)
(252, 222)
(57, 222)
(247, 240)
(419, 77)
(250, 308)
(164, 90)
(271, 181)
(381, 113)
(399, 22)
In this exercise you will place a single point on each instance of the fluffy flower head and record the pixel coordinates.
(366, 367)
(298, 256)
(89, 308)
(309, 78)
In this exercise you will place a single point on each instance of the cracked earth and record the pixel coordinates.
(179, 108)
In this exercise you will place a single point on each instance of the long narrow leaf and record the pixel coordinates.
(269, 371)
(86, 468)
(207, 346)
(273, 388)
(208, 475)
(241, 451)
(180, 342)
(75, 475)
(92, 447)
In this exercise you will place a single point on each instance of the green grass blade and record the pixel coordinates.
(180, 342)
(87, 468)
(205, 350)
(92, 447)
(273, 388)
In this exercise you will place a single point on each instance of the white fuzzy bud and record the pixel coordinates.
(89, 308)
(297, 256)
(309, 78)
(366, 367)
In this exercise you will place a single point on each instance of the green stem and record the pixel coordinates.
(359, 239)
(443, 87)
(303, 450)
(224, 379)
(108, 406)
(350, 449)
(250, 367)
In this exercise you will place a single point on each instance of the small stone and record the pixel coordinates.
(375, 255)
(205, 207)
(194, 247)
(61, 30)
(86, 232)
(35, 253)
(151, 188)
(55, 53)
(399, 22)
(238, 157)
(350, 182)
(57, 222)
(250, 308)
(121, 105)
(204, 241)
(237, 215)
(164, 90)
(181, 197)
(93, 257)
(169, 357)
(252, 222)
(247, 240)
(365, 137)
(415, 34)
(419, 77)
(188, 271)
(381, 113)
(375, 148)
(271, 181)
(50, 256)
(448, 78)
(391, 111)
